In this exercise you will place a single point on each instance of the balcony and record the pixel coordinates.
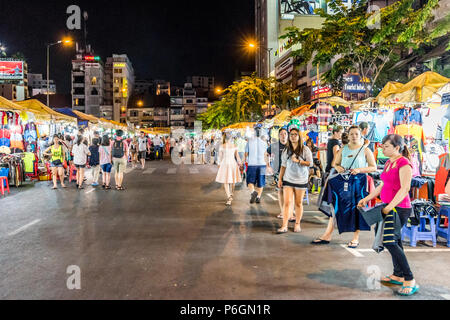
(177, 117)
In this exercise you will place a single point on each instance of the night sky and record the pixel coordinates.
(164, 39)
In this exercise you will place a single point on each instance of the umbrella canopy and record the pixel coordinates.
(43, 111)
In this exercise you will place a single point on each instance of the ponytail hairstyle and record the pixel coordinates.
(290, 149)
(398, 141)
(80, 140)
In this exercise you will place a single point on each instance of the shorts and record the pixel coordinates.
(142, 155)
(120, 165)
(106, 167)
(79, 166)
(256, 175)
(295, 186)
(56, 166)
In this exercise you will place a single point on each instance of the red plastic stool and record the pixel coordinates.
(4, 180)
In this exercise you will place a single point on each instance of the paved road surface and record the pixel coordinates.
(170, 236)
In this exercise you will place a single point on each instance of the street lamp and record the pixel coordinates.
(66, 42)
(252, 45)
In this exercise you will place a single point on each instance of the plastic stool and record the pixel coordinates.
(306, 199)
(420, 232)
(444, 232)
(3, 181)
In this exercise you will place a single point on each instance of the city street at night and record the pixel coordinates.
(169, 236)
(224, 159)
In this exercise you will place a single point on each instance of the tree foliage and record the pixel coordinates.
(355, 40)
(243, 101)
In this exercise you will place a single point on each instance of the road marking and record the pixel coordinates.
(90, 191)
(150, 171)
(128, 170)
(24, 228)
(194, 171)
(445, 296)
(411, 250)
(172, 171)
(352, 251)
(322, 219)
(274, 199)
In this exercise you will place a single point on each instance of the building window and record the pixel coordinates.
(134, 114)
(94, 81)
(187, 112)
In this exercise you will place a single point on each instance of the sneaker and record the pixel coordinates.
(254, 196)
(95, 184)
(258, 200)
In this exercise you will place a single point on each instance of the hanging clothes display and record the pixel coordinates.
(407, 116)
(325, 112)
(347, 190)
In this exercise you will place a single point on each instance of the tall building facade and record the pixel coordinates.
(88, 82)
(38, 85)
(14, 79)
(119, 80)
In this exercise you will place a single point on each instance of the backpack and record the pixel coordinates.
(117, 150)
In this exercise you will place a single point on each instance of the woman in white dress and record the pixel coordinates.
(229, 163)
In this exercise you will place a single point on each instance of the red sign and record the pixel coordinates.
(11, 70)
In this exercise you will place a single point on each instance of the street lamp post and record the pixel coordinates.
(269, 51)
(67, 41)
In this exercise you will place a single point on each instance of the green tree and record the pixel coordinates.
(243, 101)
(363, 42)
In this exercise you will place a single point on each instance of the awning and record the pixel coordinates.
(9, 105)
(43, 111)
(418, 90)
(86, 117)
(301, 110)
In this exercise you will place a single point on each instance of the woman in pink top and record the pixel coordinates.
(394, 192)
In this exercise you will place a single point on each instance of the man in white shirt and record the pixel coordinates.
(143, 149)
(157, 146)
(258, 162)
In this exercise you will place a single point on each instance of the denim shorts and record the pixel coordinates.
(106, 167)
(256, 175)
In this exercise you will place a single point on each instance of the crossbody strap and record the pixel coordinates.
(357, 155)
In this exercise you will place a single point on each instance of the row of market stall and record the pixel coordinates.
(27, 129)
(418, 110)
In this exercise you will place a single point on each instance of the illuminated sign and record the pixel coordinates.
(11, 70)
(354, 84)
(125, 88)
(92, 58)
(119, 65)
(318, 91)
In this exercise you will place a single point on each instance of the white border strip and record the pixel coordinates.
(271, 196)
(24, 228)
(353, 251)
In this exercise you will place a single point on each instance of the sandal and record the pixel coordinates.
(297, 229)
(414, 290)
(320, 241)
(230, 200)
(353, 245)
(282, 231)
(391, 281)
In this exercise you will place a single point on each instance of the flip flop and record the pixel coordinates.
(282, 231)
(391, 281)
(320, 241)
(414, 290)
(353, 245)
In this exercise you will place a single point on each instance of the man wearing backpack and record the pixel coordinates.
(120, 158)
